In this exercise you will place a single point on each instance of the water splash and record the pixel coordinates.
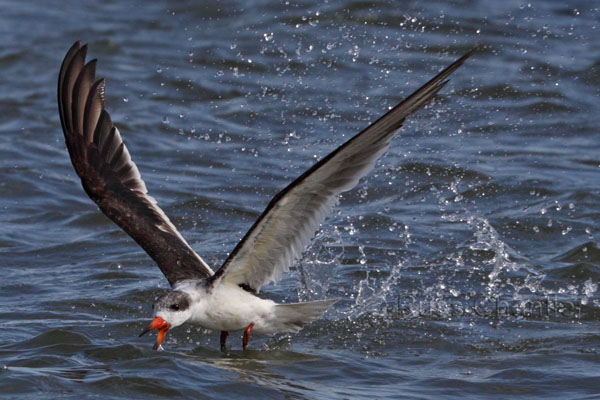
(488, 239)
(373, 294)
(320, 264)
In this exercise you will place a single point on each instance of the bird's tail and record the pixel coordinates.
(293, 317)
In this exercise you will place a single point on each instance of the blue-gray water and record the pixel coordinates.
(467, 262)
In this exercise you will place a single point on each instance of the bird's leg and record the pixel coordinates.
(224, 335)
(247, 336)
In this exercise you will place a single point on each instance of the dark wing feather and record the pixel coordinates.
(108, 175)
(290, 220)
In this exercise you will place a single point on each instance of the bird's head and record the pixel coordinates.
(170, 311)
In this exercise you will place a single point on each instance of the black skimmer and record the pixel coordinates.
(224, 300)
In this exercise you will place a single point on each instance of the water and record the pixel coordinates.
(467, 262)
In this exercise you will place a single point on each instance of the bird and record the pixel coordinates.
(225, 300)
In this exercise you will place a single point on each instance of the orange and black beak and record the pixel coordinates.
(162, 326)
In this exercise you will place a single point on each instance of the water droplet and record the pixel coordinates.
(125, 100)
(233, 46)
(165, 120)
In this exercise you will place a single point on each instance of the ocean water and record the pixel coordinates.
(467, 262)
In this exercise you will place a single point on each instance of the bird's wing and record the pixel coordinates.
(108, 174)
(290, 220)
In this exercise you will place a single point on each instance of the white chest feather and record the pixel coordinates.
(227, 307)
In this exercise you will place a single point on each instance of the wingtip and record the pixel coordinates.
(83, 49)
(469, 53)
(451, 68)
(75, 46)
(91, 66)
(464, 57)
(79, 53)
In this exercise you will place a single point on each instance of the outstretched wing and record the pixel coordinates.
(290, 220)
(109, 176)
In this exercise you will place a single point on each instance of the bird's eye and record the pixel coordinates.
(174, 307)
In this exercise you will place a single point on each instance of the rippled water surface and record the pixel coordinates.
(467, 262)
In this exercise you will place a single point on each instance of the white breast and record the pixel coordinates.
(227, 307)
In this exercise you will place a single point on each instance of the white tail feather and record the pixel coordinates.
(292, 317)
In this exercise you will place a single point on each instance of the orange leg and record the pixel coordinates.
(224, 335)
(247, 336)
